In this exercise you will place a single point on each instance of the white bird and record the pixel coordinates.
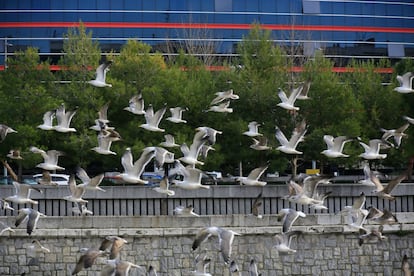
(257, 203)
(76, 191)
(117, 267)
(46, 179)
(4, 205)
(381, 217)
(4, 130)
(260, 144)
(289, 146)
(373, 235)
(288, 216)
(36, 247)
(289, 103)
(225, 236)
(284, 241)
(406, 83)
(14, 154)
(153, 119)
(87, 182)
(87, 259)
(303, 95)
(367, 176)
(253, 178)
(164, 187)
(335, 146)
(307, 193)
(100, 79)
(22, 193)
(385, 192)
(105, 139)
(82, 211)
(48, 118)
(31, 216)
(356, 212)
(209, 133)
(397, 134)
(191, 180)
(222, 107)
(133, 171)
(224, 95)
(234, 269)
(185, 211)
(163, 156)
(4, 227)
(201, 266)
(63, 119)
(169, 141)
(114, 244)
(176, 115)
(372, 150)
(136, 105)
(190, 155)
(253, 268)
(253, 129)
(409, 119)
(50, 159)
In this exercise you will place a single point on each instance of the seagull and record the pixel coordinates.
(398, 134)
(284, 240)
(31, 216)
(118, 267)
(63, 119)
(372, 150)
(133, 171)
(405, 266)
(87, 182)
(169, 141)
(409, 119)
(289, 146)
(209, 133)
(114, 244)
(258, 202)
(152, 271)
(303, 95)
(163, 188)
(77, 191)
(191, 180)
(253, 130)
(288, 216)
(225, 236)
(205, 150)
(223, 107)
(102, 121)
(163, 156)
(253, 268)
(176, 115)
(153, 119)
(22, 193)
(335, 146)
(87, 259)
(14, 154)
(386, 192)
(136, 105)
(105, 139)
(260, 144)
(374, 235)
(406, 83)
(4, 130)
(201, 266)
(191, 154)
(46, 179)
(307, 193)
(185, 211)
(4, 205)
(48, 118)
(289, 103)
(253, 178)
(224, 95)
(356, 213)
(100, 81)
(50, 159)
(367, 176)
(4, 227)
(234, 269)
(382, 217)
(35, 247)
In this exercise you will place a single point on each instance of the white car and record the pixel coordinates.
(60, 179)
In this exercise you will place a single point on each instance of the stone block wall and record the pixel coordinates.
(330, 248)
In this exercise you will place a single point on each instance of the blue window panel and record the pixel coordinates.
(41, 16)
(268, 19)
(25, 4)
(194, 5)
(148, 6)
(267, 6)
(408, 11)
(311, 7)
(178, 5)
(223, 5)
(207, 5)
(9, 5)
(40, 4)
(92, 5)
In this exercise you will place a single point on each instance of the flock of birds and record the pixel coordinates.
(183, 173)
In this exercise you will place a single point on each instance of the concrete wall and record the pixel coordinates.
(327, 246)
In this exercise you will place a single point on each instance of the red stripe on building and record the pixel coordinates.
(156, 25)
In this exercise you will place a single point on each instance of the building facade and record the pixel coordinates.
(342, 29)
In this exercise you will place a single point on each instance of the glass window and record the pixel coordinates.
(311, 6)
(396, 50)
(223, 5)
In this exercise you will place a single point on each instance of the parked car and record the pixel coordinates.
(60, 179)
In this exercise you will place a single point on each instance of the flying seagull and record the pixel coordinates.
(367, 176)
(185, 211)
(46, 179)
(191, 180)
(253, 268)
(22, 193)
(258, 202)
(136, 105)
(164, 187)
(176, 115)
(289, 146)
(63, 119)
(87, 259)
(4, 227)
(284, 240)
(50, 159)
(253, 178)
(169, 141)
(105, 139)
(48, 118)
(289, 103)
(14, 154)
(288, 216)
(100, 79)
(31, 216)
(335, 145)
(133, 170)
(356, 212)
(153, 119)
(4, 130)
(87, 182)
(114, 244)
(77, 191)
(118, 267)
(405, 83)
(225, 236)
(372, 150)
(224, 95)
(223, 107)
(385, 192)
(374, 235)
(397, 134)
(253, 129)
(260, 144)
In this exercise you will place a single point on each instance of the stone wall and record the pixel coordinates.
(326, 247)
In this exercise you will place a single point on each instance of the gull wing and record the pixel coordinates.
(83, 176)
(257, 172)
(394, 182)
(139, 165)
